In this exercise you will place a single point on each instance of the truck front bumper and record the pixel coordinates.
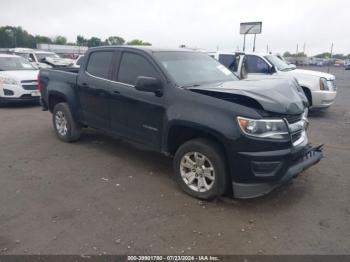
(300, 162)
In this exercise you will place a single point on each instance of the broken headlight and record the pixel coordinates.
(264, 128)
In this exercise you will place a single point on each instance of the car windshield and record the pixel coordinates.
(278, 63)
(193, 68)
(40, 57)
(14, 63)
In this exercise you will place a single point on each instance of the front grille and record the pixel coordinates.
(296, 136)
(29, 84)
(290, 118)
(30, 87)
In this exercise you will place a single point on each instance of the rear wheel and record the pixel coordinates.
(200, 169)
(66, 128)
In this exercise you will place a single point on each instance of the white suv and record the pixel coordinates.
(320, 88)
(18, 80)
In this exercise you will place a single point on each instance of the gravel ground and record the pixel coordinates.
(102, 195)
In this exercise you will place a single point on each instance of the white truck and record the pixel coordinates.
(42, 59)
(18, 80)
(320, 88)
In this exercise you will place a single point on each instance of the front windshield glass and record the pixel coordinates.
(14, 63)
(193, 68)
(40, 57)
(278, 63)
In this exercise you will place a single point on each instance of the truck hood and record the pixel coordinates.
(21, 75)
(302, 72)
(277, 95)
(53, 61)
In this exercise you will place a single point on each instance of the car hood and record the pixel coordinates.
(20, 75)
(277, 95)
(302, 72)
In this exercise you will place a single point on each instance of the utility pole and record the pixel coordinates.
(267, 48)
(244, 43)
(297, 49)
(254, 43)
(304, 47)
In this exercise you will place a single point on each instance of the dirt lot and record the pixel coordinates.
(101, 195)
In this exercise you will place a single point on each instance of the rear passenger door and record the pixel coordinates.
(94, 85)
(135, 114)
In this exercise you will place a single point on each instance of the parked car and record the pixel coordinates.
(77, 62)
(18, 80)
(243, 137)
(347, 65)
(42, 59)
(320, 88)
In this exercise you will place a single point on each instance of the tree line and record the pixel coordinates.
(325, 55)
(11, 36)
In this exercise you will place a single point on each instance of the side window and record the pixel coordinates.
(255, 64)
(31, 56)
(228, 61)
(99, 63)
(132, 66)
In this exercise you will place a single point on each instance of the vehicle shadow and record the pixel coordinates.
(19, 105)
(137, 155)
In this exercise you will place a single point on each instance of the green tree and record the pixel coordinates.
(137, 42)
(115, 40)
(323, 55)
(60, 40)
(81, 41)
(94, 41)
(287, 54)
(39, 39)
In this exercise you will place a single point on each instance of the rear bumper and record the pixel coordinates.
(309, 157)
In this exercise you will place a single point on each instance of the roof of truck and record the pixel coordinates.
(149, 49)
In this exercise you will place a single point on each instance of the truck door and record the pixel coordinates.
(94, 86)
(256, 67)
(135, 114)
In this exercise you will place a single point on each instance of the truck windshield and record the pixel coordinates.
(278, 63)
(14, 63)
(193, 68)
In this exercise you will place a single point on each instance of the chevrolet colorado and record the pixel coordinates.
(244, 138)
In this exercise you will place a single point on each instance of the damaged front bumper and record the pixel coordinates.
(308, 157)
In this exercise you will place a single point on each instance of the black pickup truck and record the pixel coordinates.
(226, 135)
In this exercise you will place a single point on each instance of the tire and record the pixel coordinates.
(185, 171)
(69, 130)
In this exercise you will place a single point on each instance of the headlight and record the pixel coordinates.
(264, 128)
(325, 85)
(8, 81)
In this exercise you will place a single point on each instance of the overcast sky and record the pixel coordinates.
(208, 24)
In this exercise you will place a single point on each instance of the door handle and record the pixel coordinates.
(117, 93)
(84, 85)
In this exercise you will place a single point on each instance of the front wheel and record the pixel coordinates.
(200, 169)
(66, 128)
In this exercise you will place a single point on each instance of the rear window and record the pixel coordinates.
(99, 63)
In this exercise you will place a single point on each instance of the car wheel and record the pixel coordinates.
(66, 128)
(200, 169)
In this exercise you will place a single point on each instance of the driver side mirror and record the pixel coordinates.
(149, 84)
